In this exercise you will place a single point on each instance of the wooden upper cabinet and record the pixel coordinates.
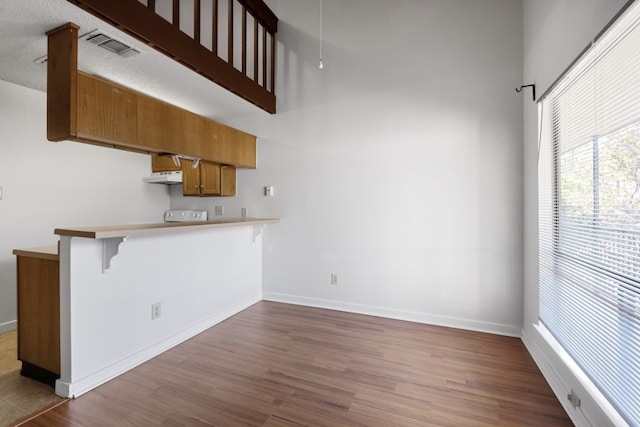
(206, 179)
(106, 112)
(89, 109)
(209, 179)
(163, 164)
(225, 144)
(190, 179)
(227, 180)
(203, 180)
(182, 131)
(150, 115)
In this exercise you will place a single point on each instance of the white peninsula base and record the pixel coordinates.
(200, 275)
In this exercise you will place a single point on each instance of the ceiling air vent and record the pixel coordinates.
(105, 41)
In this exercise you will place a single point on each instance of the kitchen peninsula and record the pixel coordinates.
(128, 293)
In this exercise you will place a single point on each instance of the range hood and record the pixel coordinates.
(164, 178)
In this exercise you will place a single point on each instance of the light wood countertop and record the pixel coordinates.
(106, 232)
(47, 252)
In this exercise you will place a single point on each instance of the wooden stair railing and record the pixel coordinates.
(165, 27)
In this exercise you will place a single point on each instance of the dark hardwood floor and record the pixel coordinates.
(285, 365)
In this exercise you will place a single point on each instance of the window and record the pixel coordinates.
(589, 213)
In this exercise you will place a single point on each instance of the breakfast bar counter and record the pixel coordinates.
(130, 230)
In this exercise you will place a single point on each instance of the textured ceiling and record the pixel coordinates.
(23, 24)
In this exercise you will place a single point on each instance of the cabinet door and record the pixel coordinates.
(39, 312)
(228, 145)
(209, 179)
(150, 117)
(227, 180)
(163, 164)
(190, 179)
(106, 112)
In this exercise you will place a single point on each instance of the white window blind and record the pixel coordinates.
(589, 213)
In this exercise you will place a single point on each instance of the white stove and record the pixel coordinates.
(184, 215)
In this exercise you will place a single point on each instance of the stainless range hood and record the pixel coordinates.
(164, 178)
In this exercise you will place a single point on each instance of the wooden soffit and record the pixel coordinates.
(255, 85)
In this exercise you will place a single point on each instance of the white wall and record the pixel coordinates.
(555, 32)
(398, 166)
(48, 185)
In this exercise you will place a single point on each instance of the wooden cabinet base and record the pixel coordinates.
(38, 286)
(39, 374)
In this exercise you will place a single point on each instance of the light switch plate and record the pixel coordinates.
(0, 193)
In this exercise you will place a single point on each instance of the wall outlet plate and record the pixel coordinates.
(243, 212)
(334, 279)
(155, 311)
(219, 210)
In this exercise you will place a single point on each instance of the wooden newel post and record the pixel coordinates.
(62, 72)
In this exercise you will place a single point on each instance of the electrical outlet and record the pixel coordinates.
(243, 212)
(155, 311)
(574, 399)
(219, 210)
(334, 279)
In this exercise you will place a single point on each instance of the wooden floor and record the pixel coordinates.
(19, 396)
(285, 365)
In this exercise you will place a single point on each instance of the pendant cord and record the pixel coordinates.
(320, 65)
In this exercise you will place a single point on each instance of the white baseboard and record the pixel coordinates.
(92, 381)
(8, 326)
(411, 316)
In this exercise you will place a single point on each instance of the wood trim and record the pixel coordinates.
(62, 64)
(230, 34)
(244, 40)
(264, 57)
(45, 252)
(196, 20)
(273, 64)
(261, 11)
(151, 4)
(176, 13)
(256, 28)
(214, 27)
(136, 19)
(272, 88)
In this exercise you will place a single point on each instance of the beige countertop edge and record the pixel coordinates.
(106, 232)
(47, 252)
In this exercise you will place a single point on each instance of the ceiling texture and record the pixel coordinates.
(23, 24)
